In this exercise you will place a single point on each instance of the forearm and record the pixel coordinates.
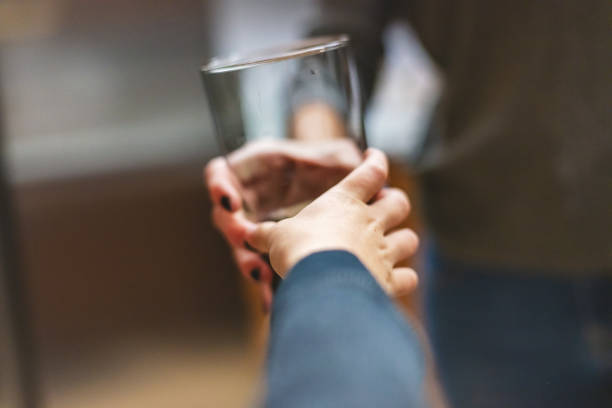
(337, 340)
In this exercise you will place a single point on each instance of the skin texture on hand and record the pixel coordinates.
(356, 215)
(311, 123)
(229, 217)
(315, 125)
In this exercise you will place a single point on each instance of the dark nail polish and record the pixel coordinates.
(249, 247)
(225, 202)
(256, 274)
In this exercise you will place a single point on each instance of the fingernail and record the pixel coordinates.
(255, 274)
(249, 247)
(225, 202)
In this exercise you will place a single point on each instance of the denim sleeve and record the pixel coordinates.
(338, 341)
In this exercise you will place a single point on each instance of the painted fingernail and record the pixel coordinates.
(249, 247)
(255, 274)
(225, 202)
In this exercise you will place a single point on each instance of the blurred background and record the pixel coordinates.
(130, 297)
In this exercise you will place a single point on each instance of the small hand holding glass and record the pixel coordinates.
(357, 215)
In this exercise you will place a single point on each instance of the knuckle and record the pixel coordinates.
(338, 199)
(235, 230)
(411, 240)
(214, 172)
(415, 240)
(284, 224)
(378, 172)
(402, 201)
(406, 241)
(397, 203)
(375, 225)
(209, 169)
(405, 249)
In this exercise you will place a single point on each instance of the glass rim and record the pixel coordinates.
(296, 49)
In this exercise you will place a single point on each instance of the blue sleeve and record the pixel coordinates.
(337, 340)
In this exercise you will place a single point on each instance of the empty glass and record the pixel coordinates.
(289, 121)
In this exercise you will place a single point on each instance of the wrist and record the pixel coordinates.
(285, 263)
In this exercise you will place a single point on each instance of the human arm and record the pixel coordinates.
(336, 338)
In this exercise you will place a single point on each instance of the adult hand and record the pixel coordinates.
(317, 156)
(229, 217)
(278, 174)
(356, 215)
(268, 176)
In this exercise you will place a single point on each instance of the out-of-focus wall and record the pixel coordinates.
(108, 132)
(99, 86)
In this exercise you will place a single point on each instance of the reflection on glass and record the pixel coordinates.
(289, 121)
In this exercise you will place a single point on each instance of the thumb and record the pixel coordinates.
(260, 237)
(368, 178)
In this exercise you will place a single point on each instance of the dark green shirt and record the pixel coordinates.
(518, 165)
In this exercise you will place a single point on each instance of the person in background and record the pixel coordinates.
(336, 339)
(516, 178)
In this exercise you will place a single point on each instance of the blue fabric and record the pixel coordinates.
(338, 341)
(517, 338)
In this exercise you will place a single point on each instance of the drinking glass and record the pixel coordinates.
(288, 120)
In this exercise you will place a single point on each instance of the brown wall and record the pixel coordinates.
(121, 254)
